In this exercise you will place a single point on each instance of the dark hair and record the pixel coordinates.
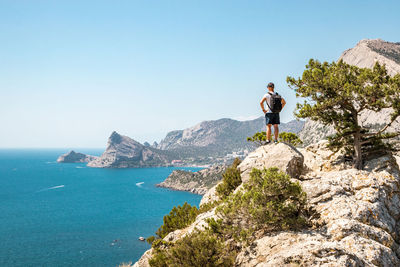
(271, 85)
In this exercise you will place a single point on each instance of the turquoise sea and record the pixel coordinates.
(55, 214)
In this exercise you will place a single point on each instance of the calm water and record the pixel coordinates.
(69, 215)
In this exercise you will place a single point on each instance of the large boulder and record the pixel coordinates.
(283, 156)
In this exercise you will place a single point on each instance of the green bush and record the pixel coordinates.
(258, 138)
(178, 218)
(290, 138)
(270, 201)
(230, 180)
(196, 249)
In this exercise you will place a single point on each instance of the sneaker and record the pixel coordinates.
(275, 141)
(267, 142)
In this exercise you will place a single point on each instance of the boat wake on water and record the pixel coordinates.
(51, 188)
(139, 184)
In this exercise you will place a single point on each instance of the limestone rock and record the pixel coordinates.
(73, 157)
(210, 195)
(124, 152)
(318, 157)
(144, 260)
(367, 52)
(285, 157)
(195, 182)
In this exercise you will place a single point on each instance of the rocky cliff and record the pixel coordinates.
(196, 182)
(367, 52)
(73, 157)
(355, 215)
(363, 55)
(124, 152)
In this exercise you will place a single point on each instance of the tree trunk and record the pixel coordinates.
(358, 164)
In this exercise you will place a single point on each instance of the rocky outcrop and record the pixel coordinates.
(285, 157)
(124, 152)
(74, 157)
(364, 55)
(356, 224)
(195, 182)
(355, 214)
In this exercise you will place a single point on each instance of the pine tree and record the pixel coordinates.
(337, 93)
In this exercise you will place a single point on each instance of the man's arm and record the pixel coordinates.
(283, 102)
(262, 104)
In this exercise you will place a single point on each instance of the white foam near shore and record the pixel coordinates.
(51, 188)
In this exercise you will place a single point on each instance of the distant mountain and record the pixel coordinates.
(124, 152)
(364, 55)
(219, 137)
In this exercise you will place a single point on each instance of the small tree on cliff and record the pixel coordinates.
(337, 93)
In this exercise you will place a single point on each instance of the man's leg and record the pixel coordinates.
(276, 131)
(268, 132)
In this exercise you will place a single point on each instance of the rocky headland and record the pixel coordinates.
(195, 182)
(74, 157)
(124, 152)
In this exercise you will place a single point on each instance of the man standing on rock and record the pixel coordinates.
(275, 104)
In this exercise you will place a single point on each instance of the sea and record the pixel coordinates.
(67, 214)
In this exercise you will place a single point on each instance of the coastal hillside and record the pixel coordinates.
(218, 138)
(363, 55)
(330, 214)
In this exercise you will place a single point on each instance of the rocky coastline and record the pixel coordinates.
(195, 182)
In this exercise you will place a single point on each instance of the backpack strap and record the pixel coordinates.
(266, 101)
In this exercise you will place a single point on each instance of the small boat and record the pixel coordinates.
(141, 238)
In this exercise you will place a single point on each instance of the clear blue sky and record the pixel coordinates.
(71, 72)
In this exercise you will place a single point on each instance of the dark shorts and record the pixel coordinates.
(272, 118)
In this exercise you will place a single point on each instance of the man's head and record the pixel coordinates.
(271, 86)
